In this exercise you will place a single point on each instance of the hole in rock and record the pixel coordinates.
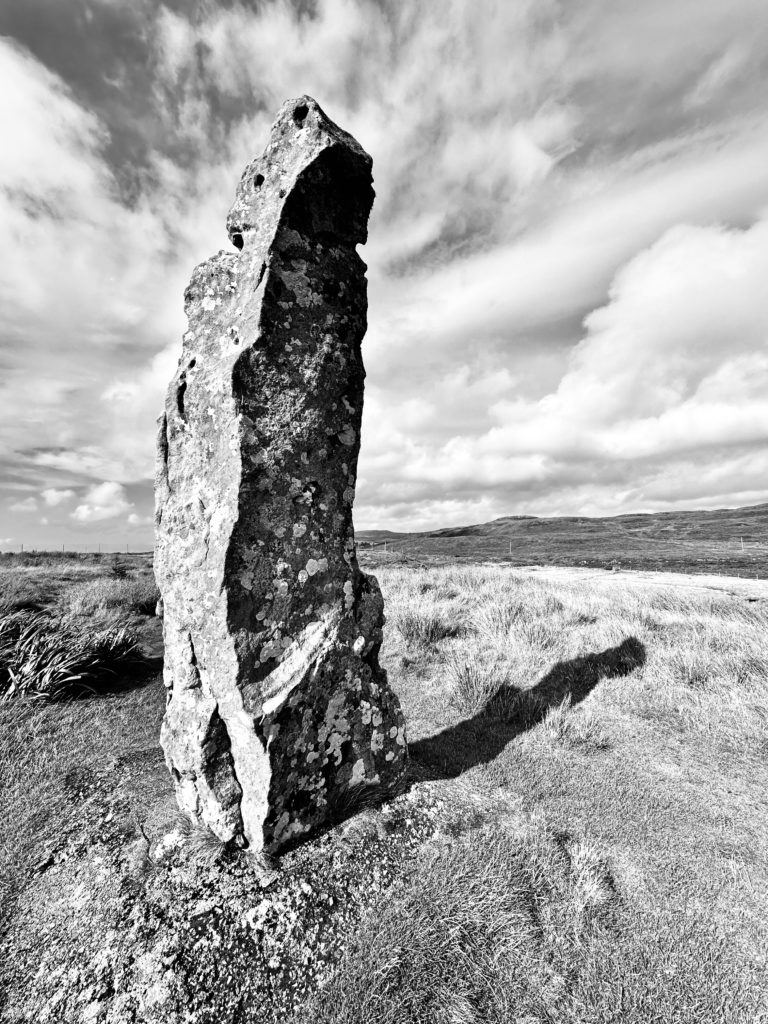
(237, 240)
(180, 396)
(300, 113)
(192, 362)
(258, 181)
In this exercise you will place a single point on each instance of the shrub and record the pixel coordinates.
(52, 658)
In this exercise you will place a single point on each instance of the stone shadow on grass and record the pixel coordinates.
(480, 739)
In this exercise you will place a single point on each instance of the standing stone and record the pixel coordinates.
(277, 706)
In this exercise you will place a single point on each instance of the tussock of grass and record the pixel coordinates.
(204, 846)
(423, 627)
(495, 621)
(522, 708)
(563, 725)
(474, 682)
(17, 594)
(105, 595)
(51, 658)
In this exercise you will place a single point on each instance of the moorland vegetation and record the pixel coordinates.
(583, 838)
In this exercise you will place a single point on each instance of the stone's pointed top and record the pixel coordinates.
(302, 137)
(305, 115)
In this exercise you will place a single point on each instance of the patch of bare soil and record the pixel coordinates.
(158, 925)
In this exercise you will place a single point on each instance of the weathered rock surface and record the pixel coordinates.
(277, 705)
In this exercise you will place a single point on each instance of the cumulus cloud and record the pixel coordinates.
(662, 402)
(53, 496)
(104, 501)
(564, 314)
(137, 520)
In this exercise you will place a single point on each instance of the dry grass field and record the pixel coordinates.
(729, 541)
(585, 837)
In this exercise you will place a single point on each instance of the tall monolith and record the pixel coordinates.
(278, 711)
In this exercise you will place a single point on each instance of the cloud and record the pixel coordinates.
(545, 194)
(104, 501)
(662, 402)
(27, 505)
(53, 496)
(137, 520)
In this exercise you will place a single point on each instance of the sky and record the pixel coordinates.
(567, 255)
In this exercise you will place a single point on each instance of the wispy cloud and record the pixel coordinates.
(564, 255)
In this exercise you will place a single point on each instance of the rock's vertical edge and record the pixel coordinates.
(277, 704)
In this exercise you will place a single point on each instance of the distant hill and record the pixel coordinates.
(733, 541)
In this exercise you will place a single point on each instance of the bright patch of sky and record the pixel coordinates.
(567, 254)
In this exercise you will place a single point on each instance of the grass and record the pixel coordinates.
(633, 719)
(102, 596)
(597, 757)
(48, 658)
(494, 927)
(423, 626)
(55, 760)
(730, 541)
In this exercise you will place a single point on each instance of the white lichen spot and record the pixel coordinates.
(302, 578)
(279, 531)
(358, 772)
(312, 567)
(358, 645)
(299, 529)
(393, 732)
(335, 741)
(209, 303)
(377, 741)
(281, 588)
(401, 736)
(349, 597)
(282, 823)
(377, 718)
(389, 756)
(268, 651)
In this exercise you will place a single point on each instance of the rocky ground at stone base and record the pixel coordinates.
(167, 927)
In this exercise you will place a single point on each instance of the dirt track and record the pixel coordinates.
(738, 586)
